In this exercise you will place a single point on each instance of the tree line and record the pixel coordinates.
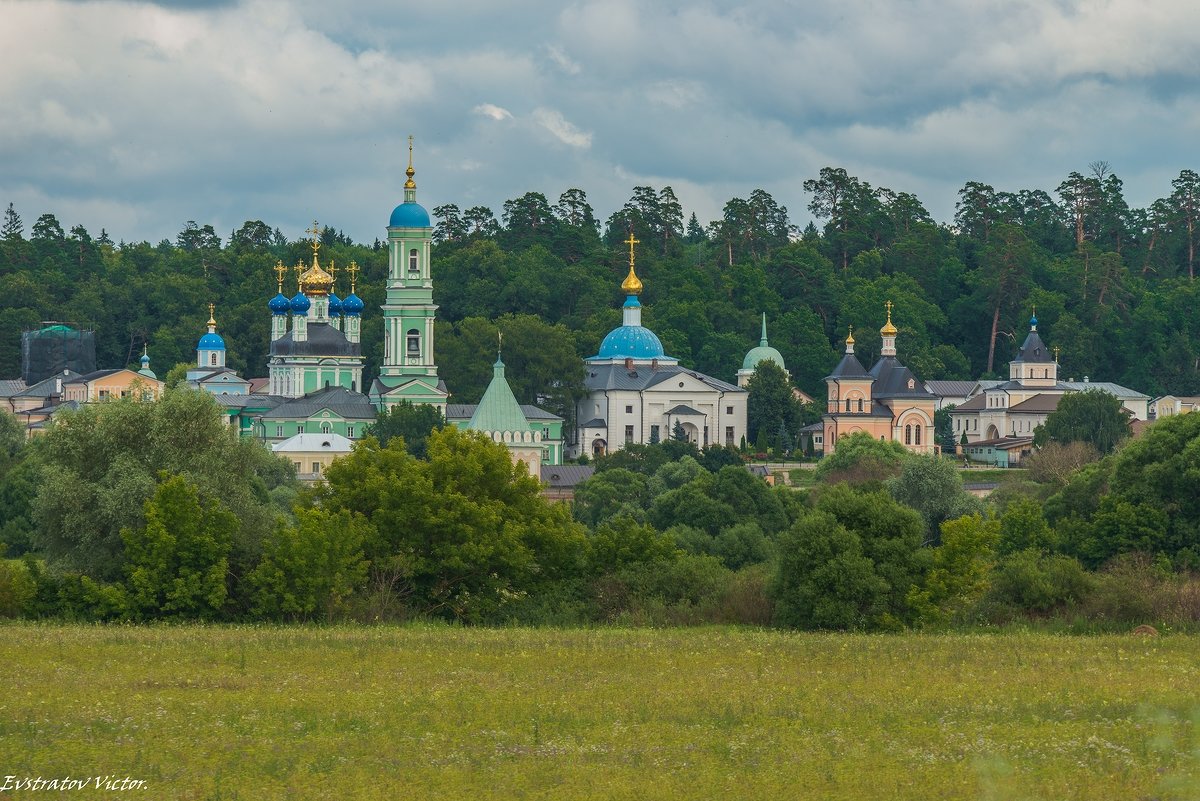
(1114, 286)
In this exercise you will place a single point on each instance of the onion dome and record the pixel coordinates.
(300, 304)
(763, 353)
(850, 338)
(279, 304)
(315, 280)
(146, 371)
(352, 306)
(335, 305)
(632, 285)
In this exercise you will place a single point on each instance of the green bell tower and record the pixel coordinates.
(408, 371)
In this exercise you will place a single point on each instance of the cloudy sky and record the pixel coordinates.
(137, 117)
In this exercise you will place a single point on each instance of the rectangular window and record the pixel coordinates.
(729, 436)
(628, 410)
(628, 434)
(349, 432)
(706, 436)
(654, 433)
(317, 468)
(728, 410)
(279, 433)
(297, 466)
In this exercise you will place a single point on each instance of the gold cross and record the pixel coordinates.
(410, 141)
(332, 273)
(299, 268)
(631, 242)
(211, 308)
(1056, 350)
(353, 270)
(316, 233)
(280, 272)
(888, 304)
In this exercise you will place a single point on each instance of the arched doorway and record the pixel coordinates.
(693, 433)
(598, 448)
(992, 433)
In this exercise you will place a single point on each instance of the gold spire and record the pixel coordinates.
(410, 172)
(1056, 350)
(280, 272)
(888, 329)
(353, 270)
(316, 239)
(211, 319)
(632, 285)
(850, 336)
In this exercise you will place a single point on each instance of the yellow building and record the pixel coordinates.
(887, 401)
(103, 385)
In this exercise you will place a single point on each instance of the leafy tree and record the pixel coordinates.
(178, 564)
(1023, 526)
(959, 574)
(612, 492)
(770, 402)
(860, 458)
(932, 485)
(1054, 462)
(102, 463)
(412, 423)
(1093, 416)
(311, 569)
(854, 563)
(470, 527)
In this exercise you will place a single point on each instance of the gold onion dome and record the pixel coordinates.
(632, 285)
(888, 329)
(315, 280)
(850, 336)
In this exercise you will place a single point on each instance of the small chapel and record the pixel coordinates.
(887, 401)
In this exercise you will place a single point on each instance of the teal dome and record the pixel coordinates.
(280, 304)
(409, 215)
(762, 354)
(211, 341)
(631, 342)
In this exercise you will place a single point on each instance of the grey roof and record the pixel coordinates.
(1038, 404)
(876, 409)
(92, 376)
(975, 404)
(1034, 349)
(240, 401)
(683, 408)
(849, 367)
(322, 340)
(566, 475)
(221, 372)
(950, 389)
(464, 411)
(1107, 386)
(595, 422)
(47, 387)
(892, 379)
(11, 386)
(617, 376)
(819, 426)
(341, 401)
(380, 388)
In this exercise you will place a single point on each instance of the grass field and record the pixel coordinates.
(448, 713)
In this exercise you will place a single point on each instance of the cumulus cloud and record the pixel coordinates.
(493, 111)
(565, 132)
(138, 116)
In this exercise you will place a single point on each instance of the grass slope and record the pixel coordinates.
(447, 713)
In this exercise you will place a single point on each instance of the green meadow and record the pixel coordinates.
(433, 712)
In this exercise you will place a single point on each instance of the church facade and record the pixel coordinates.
(887, 401)
(636, 394)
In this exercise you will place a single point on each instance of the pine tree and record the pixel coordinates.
(13, 229)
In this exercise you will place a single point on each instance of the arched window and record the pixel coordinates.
(908, 435)
(847, 404)
(413, 267)
(212, 359)
(917, 438)
(326, 429)
(860, 404)
(414, 342)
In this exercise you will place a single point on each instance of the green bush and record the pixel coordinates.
(1031, 581)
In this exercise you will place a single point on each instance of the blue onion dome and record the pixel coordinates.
(1033, 321)
(335, 305)
(352, 306)
(631, 342)
(409, 215)
(300, 303)
(211, 341)
(279, 304)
